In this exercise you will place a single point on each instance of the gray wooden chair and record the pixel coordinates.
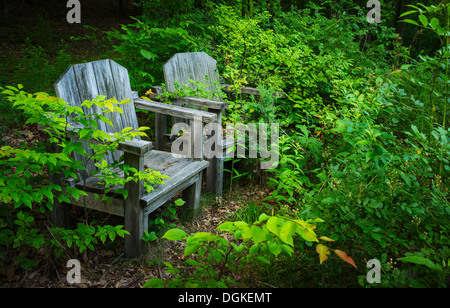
(105, 77)
(180, 69)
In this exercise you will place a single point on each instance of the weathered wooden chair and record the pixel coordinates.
(105, 77)
(199, 67)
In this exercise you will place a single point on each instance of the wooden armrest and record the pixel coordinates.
(248, 90)
(177, 111)
(139, 147)
(195, 101)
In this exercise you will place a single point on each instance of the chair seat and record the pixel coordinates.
(183, 172)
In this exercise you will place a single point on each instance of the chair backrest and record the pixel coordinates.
(192, 65)
(86, 81)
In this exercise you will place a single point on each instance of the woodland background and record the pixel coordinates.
(363, 142)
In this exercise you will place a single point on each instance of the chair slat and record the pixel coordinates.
(194, 65)
(86, 81)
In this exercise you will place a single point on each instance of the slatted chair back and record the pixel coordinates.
(183, 67)
(86, 81)
(199, 67)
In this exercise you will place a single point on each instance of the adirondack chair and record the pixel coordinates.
(181, 68)
(105, 77)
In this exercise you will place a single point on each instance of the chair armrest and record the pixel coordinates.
(139, 147)
(195, 101)
(173, 110)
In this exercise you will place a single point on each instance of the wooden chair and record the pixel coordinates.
(105, 77)
(180, 69)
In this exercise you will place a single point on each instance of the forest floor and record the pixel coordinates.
(106, 267)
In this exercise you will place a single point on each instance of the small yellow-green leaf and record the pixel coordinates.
(175, 234)
(323, 252)
(326, 239)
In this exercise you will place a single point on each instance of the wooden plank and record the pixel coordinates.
(87, 87)
(135, 221)
(115, 206)
(183, 67)
(169, 193)
(192, 197)
(173, 110)
(193, 65)
(75, 80)
(160, 130)
(105, 85)
(123, 90)
(194, 101)
(177, 168)
(67, 89)
(60, 211)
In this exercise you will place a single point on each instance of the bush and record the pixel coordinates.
(22, 196)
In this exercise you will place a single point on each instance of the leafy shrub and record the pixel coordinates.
(20, 196)
(215, 258)
(143, 53)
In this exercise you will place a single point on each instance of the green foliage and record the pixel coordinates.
(142, 52)
(246, 247)
(161, 222)
(364, 137)
(20, 166)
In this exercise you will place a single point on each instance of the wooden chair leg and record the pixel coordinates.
(60, 211)
(192, 197)
(60, 215)
(214, 176)
(135, 221)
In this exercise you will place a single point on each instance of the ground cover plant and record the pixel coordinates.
(363, 147)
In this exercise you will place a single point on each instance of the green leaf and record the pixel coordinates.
(408, 13)
(286, 232)
(175, 235)
(85, 132)
(272, 225)
(179, 202)
(275, 248)
(148, 55)
(434, 22)
(422, 261)
(262, 259)
(192, 248)
(106, 120)
(154, 283)
(263, 217)
(423, 19)
(258, 234)
(307, 234)
(410, 22)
